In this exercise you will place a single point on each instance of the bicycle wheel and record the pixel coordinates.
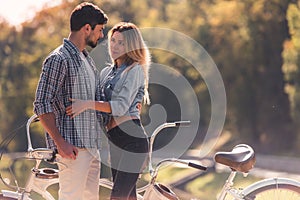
(274, 188)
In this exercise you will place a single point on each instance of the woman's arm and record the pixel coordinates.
(122, 97)
(78, 106)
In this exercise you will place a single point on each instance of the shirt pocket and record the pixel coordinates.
(118, 84)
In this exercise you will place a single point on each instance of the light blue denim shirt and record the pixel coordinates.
(123, 89)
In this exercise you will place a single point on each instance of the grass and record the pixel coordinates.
(208, 186)
(205, 187)
(169, 174)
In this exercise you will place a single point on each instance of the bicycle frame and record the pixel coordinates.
(41, 178)
(38, 181)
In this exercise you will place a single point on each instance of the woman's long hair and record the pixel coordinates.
(135, 48)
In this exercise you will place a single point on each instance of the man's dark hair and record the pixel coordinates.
(87, 13)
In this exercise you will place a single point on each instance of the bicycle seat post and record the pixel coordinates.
(228, 184)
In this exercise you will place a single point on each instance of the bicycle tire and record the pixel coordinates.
(273, 188)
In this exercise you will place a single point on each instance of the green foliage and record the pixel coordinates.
(208, 186)
(255, 45)
(290, 67)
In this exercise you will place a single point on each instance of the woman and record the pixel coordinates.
(123, 86)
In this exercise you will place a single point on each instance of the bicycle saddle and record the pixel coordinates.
(241, 158)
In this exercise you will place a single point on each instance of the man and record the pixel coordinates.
(69, 72)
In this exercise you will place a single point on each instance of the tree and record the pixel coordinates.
(291, 56)
(244, 38)
(268, 31)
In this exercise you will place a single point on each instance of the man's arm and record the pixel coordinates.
(65, 149)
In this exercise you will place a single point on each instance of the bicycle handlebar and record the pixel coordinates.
(38, 153)
(157, 131)
(33, 118)
(173, 160)
(154, 173)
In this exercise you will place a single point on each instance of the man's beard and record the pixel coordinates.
(92, 44)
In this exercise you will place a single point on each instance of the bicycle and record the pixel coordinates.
(240, 159)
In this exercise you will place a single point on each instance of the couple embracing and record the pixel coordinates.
(75, 103)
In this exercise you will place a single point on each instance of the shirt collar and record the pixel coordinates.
(115, 68)
(71, 47)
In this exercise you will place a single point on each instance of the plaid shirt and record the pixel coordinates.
(64, 76)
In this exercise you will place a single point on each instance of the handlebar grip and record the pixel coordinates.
(196, 166)
(182, 123)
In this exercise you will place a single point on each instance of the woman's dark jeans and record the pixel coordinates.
(129, 147)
